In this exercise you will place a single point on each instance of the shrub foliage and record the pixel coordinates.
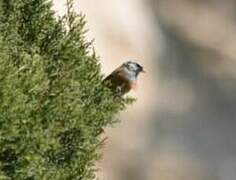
(53, 104)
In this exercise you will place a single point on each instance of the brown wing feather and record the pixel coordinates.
(119, 79)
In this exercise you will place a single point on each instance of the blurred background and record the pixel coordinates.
(183, 125)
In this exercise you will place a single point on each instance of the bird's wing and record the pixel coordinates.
(119, 81)
(117, 77)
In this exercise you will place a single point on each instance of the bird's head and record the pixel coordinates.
(133, 67)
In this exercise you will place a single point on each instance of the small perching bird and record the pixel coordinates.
(124, 78)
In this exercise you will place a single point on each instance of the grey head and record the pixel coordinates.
(133, 68)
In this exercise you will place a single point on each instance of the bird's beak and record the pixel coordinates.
(143, 71)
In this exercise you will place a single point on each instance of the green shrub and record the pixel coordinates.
(53, 104)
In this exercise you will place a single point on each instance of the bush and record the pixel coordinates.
(53, 104)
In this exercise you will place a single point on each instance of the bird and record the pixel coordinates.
(124, 78)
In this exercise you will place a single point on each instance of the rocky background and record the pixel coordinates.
(183, 125)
